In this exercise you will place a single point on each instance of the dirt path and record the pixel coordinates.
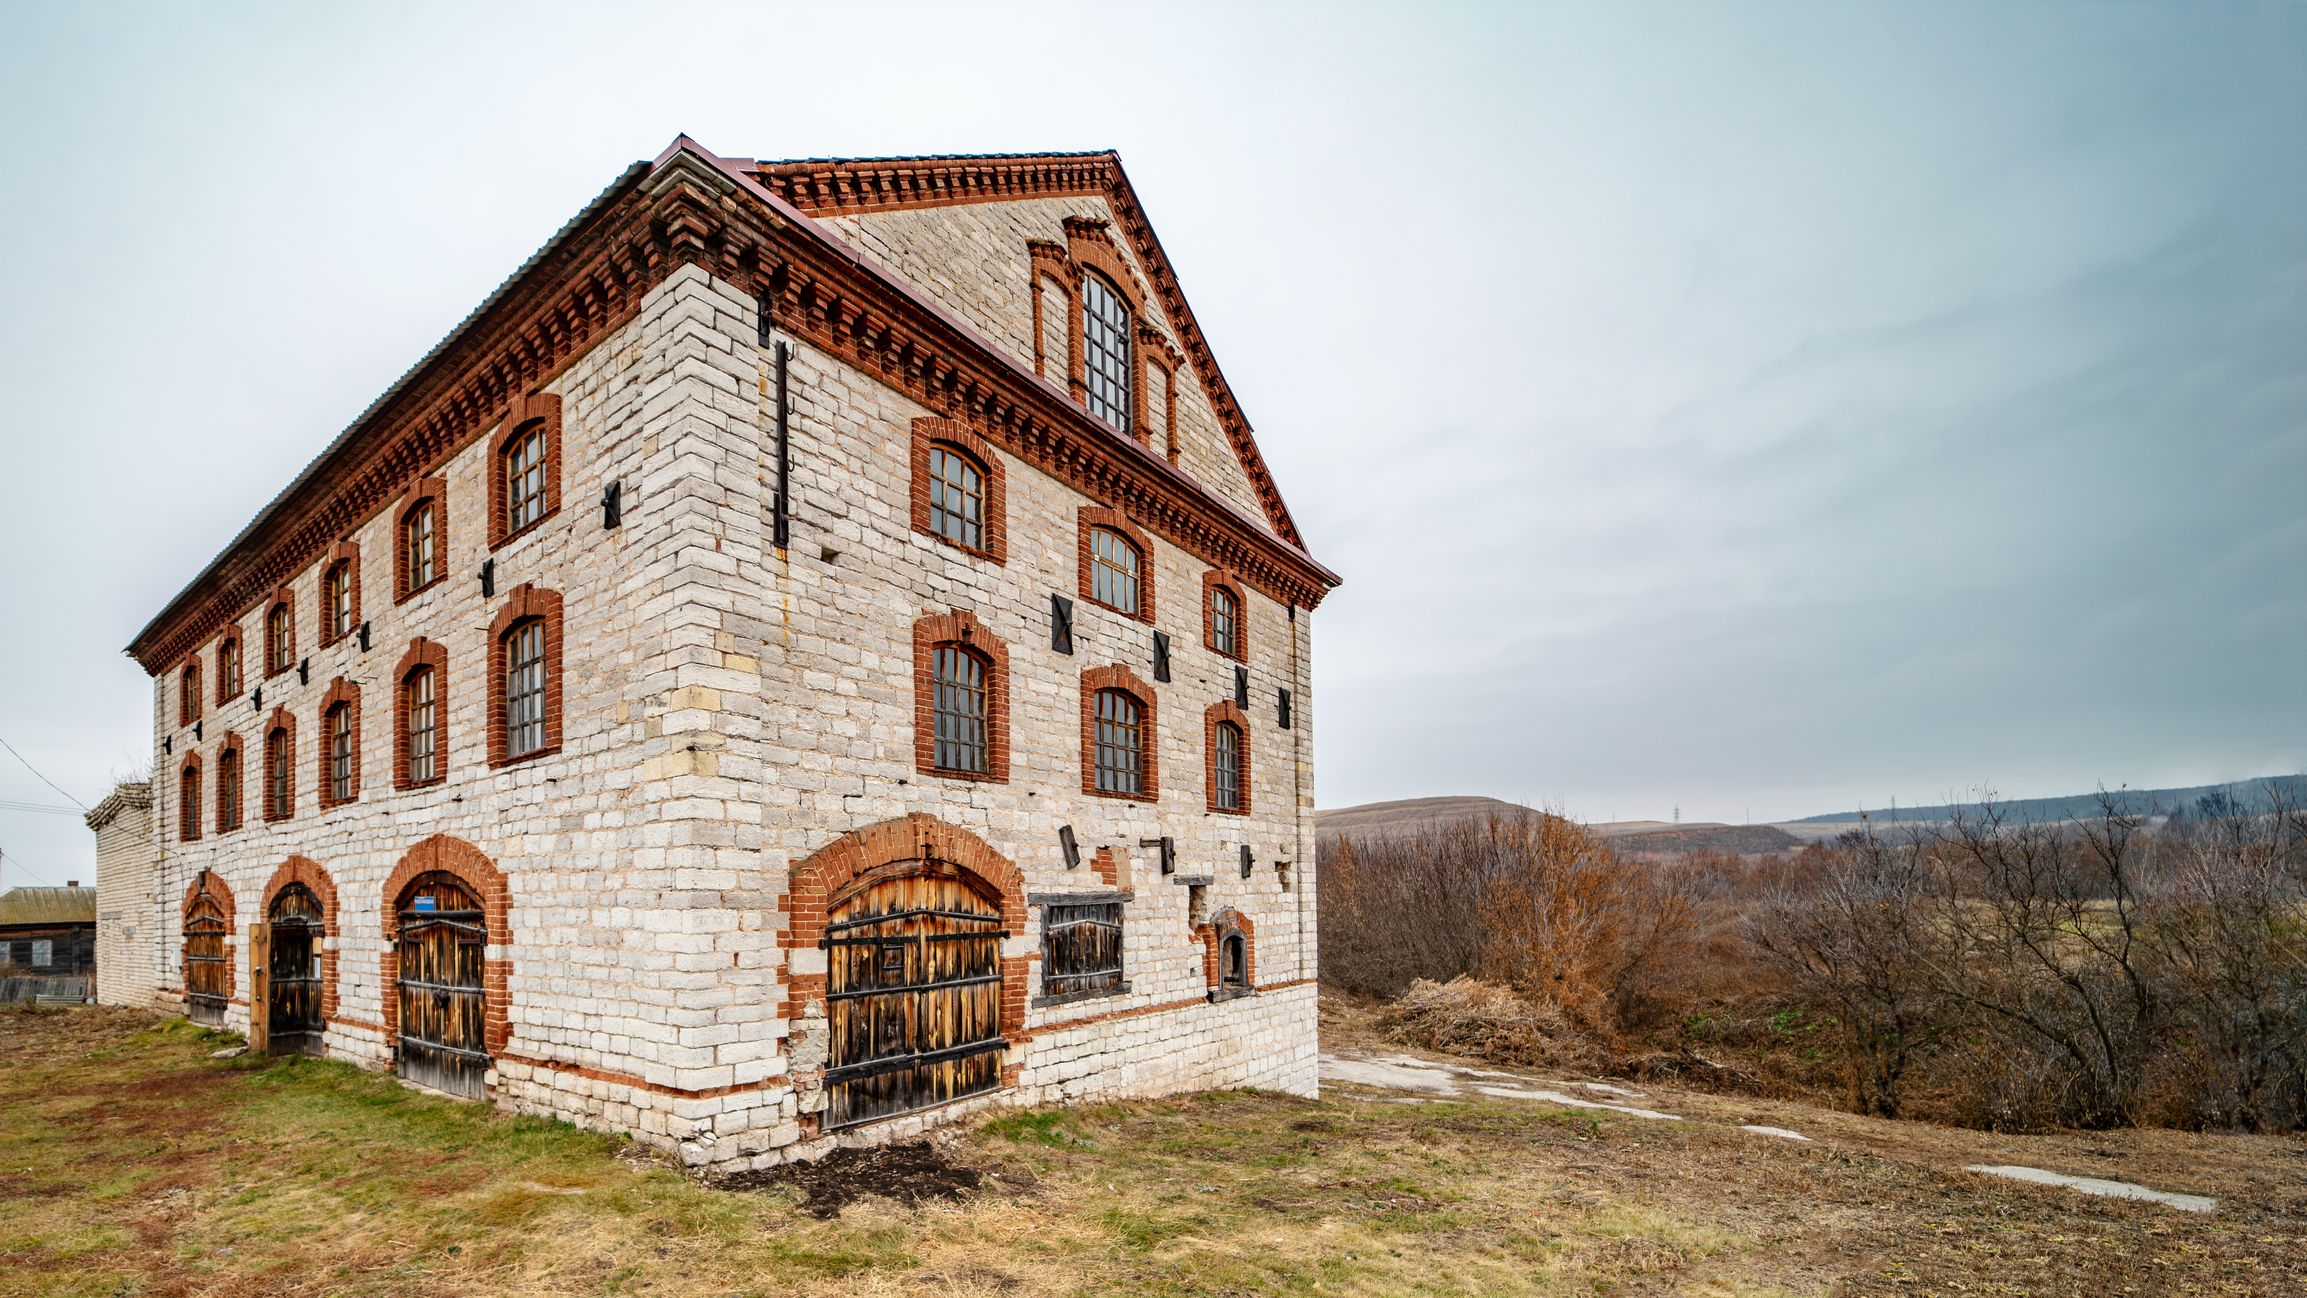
(1397, 1076)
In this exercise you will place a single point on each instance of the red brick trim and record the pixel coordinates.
(340, 691)
(524, 414)
(432, 491)
(188, 794)
(188, 692)
(227, 687)
(347, 556)
(1096, 516)
(835, 187)
(282, 599)
(472, 867)
(1225, 714)
(1049, 262)
(962, 628)
(1227, 921)
(526, 601)
(434, 655)
(229, 815)
(1107, 867)
(927, 432)
(310, 873)
(213, 884)
(594, 280)
(1118, 677)
(1213, 580)
(863, 856)
(284, 721)
(1169, 402)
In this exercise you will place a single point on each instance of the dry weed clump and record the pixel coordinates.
(1485, 1021)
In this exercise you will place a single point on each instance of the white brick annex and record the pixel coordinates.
(818, 653)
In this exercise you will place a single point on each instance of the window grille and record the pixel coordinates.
(959, 704)
(276, 775)
(956, 498)
(1225, 622)
(228, 789)
(188, 804)
(525, 688)
(421, 733)
(1113, 570)
(417, 546)
(525, 480)
(340, 752)
(1120, 740)
(1105, 345)
(1081, 948)
(1228, 754)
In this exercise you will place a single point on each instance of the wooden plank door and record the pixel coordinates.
(294, 927)
(207, 977)
(913, 995)
(443, 998)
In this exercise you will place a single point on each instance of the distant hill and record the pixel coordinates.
(1411, 816)
(2250, 795)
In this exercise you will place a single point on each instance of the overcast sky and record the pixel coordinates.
(1757, 409)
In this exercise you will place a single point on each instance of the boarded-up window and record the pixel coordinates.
(1081, 948)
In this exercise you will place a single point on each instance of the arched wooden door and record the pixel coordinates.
(443, 999)
(294, 1014)
(207, 973)
(913, 992)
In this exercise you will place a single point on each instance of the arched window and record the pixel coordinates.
(1114, 564)
(523, 675)
(343, 772)
(1105, 336)
(522, 464)
(1230, 953)
(420, 564)
(1225, 632)
(188, 695)
(188, 802)
(1234, 962)
(420, 714)
(956, 497)
(1120, 744)
(525, 687)
(336, 600)
(279, 638)
(279, 774)
(1226, 763)
(228, 786)
(227, 668)
(960, 710)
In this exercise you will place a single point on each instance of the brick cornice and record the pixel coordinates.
(689, 207)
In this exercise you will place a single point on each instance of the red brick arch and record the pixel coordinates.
(312, 874)
(453, 856)
(1210, 934)
(216, 887)
(815, 881)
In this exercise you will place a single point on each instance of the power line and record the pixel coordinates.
(36, 771)
(7, 805)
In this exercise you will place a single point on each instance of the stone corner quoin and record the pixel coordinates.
(540, 771)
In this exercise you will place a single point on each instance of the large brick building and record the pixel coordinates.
(818, 651)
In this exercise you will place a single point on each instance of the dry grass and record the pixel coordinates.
(131, 1163)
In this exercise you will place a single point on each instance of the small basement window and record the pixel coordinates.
(1081, 949)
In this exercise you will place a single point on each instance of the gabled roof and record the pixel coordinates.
(47, 906)
(850, 186)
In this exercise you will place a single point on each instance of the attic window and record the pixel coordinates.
(1105, 334)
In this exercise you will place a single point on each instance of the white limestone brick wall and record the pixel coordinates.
(128, 904)
(971, 259)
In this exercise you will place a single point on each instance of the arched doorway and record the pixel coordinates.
(294, 1015)
(913, 991)
(441, 945)
(207, 963)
